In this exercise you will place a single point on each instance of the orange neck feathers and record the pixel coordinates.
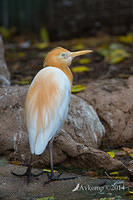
(53, 60)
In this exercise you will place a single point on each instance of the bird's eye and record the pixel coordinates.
(63, 55)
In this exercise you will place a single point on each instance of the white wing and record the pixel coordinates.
(46, 107)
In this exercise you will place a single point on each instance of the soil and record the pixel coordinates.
(24, 63)
(89, 188)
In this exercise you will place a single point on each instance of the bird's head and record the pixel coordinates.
(60, 57)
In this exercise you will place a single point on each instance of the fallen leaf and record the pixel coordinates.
(107, 198)
(103, 50)
(4, 32)
(114, 53)
(81, 68)
(13, 56)
(117, 55)
(120, 177)
(78, 88)
(21, 55)
(126, 39)
(115, 46)
(129, 193)
(78, 47)
(123, 75)
(44, 35)
(46, 198)
(15, 162)
(131, 155)
(49, 170)
(25, 81)
(83, 61)
(41, 45)
(111, 153)
(114, 173)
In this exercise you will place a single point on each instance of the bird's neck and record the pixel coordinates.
(65, 69)
(67, 72)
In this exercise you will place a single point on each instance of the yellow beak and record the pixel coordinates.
(79, 53)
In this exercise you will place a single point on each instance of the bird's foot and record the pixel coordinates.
(28, 174)
(52, 177)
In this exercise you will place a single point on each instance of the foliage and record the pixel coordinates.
(7, 33)
(46, 198)
(41, 45)
(44, 36)
(111, 153)
(84, 61)
(81, 68)
(78, 88)
(126, 39)
(114, 53)
(49, 170)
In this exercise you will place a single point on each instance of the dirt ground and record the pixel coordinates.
(111, 58)
(16, 188)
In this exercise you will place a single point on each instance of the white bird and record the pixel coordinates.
(47, 103)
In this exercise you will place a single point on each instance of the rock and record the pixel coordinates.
(113, 101)
(4, 73)
(75, 144)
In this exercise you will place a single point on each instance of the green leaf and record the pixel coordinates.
(117, 55)
(46, 198)
(111, 153)
(103, 50)
(81, 68)
(78, 88)
(115, 46)
(83, 61)
(44, 35)
(131, 155)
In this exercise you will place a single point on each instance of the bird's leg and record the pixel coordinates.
(28, 172)
(51, 176)
(51, 157)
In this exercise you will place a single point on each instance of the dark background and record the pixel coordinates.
(66, 19)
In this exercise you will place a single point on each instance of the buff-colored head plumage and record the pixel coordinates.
(62, 58)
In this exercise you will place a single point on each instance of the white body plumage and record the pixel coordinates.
(46, 107)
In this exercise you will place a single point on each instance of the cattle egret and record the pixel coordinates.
(47, 103)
